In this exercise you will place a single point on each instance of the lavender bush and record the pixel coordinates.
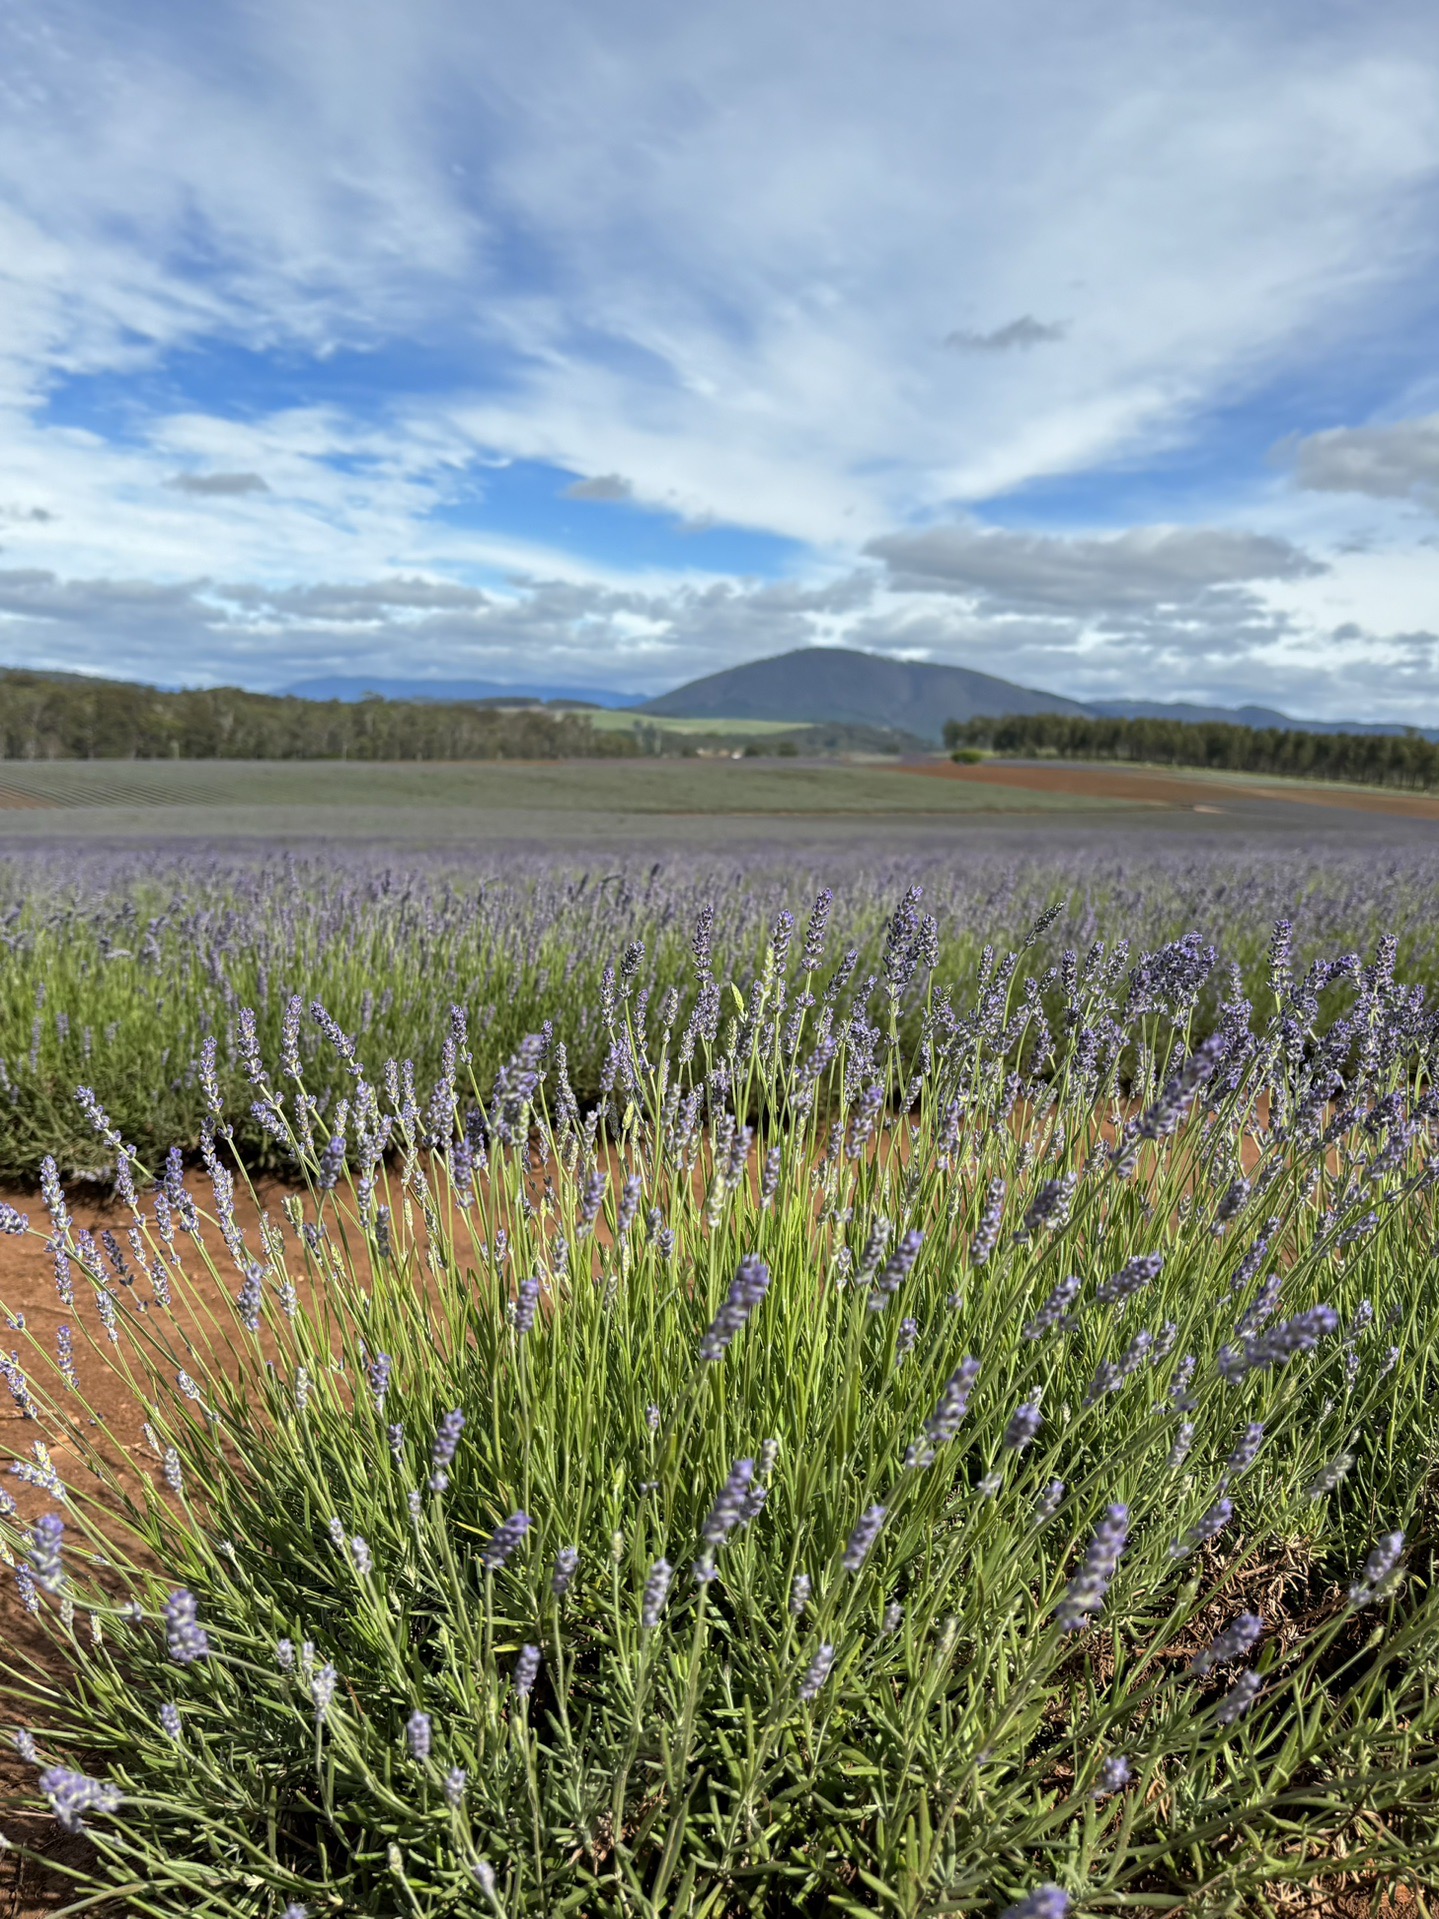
(120, 967)
(592, 1507)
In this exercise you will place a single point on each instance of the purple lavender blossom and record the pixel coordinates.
(1245, 1452)
(1378, 1570)
(378, 1374)
(1131, 1278)
(46, 1541)
(442, 1453)
(170, 1723)
(1240, 1697)
(747, 1289)
(816, 1673)
(1204, 1529)
(418, 1734)
(986, 1235)
(185, 1639)
(862, 1539)
(527, 1305)
(1086, 1591)
(1113, 1776)
(944, 1422)
(1055, 1310)
(527, 1669)
(729, 1506)
(1024, 1424)
(456, 1779)
(1240, 1636)
(566, 1564)
(1277, 1347)
(507, 1537)
(896, 1270)
(1045, 1902)
(73, 1793)
(656, 1591)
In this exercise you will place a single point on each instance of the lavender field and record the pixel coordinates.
(862, 1381)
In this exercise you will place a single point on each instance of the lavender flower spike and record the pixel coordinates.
(1086, 1592)
(45, 1543)
(1045, 1902)
(1238, 1638)
(1378, 1569)
(1207, 1528)
(417, 1735)
(567, 1560)
(185, 1639)
(73, 1793)
(862, 1539)
(748, 1288)
(505, 1540)
(527, 1670)
(817, 1672)
(657, 1588)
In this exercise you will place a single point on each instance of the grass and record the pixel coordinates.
(903, 1562)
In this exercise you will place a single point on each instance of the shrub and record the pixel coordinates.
(612, 1513)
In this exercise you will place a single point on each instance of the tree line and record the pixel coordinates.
(77, 719)
(1375, 759)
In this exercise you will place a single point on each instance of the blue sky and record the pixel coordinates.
(1092, 345)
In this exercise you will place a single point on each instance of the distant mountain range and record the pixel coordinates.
(837, 683)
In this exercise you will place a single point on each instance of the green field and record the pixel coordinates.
(495, 799)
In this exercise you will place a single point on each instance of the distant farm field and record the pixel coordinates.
(285, 798)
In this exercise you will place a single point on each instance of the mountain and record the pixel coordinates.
(836, 683)
(342, 687)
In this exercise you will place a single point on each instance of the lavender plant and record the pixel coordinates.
(540, 1518)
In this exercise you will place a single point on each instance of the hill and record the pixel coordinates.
(833, 683)
(338, 686)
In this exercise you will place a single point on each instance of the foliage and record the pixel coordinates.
(1374, 759)
(75, 719)
(612, 1513)
(119, 967)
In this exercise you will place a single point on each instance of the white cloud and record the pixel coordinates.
(1395, 462)
(218, 486)
(1145, 568)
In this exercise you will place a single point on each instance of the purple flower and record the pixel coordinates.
(322, 1691)
(657, 1588)
(185, 1639)
(747, 1289)
(1278, 1346)
(1245, 1453)
(456, 1780)
(1240, 1636)
(944, 1422)
(896, 1271)
(1045, 1902)
(1086, 1591)
(527, 1669)
(442, 1453)
(504, 1542)
(1131, 1277)
(1055, 1310)
(986, 1236)
(799, 1594)
(1113, 1776)
(1378, 1569)
(566, 1563)
(729, 1506)
(46, 1540)
(862, 1539)
(379, 1370)
(816, 1673)
(1023, 1427)
(526, 1305)
(73, 1793)
(169, 1716)
(417, 1735)
(1240, 1697)
(1207, 1528)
